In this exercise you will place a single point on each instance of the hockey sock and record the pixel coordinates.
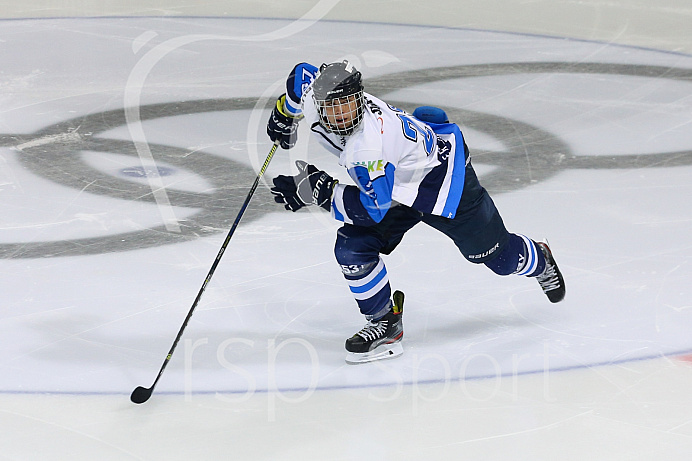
(533, 259)
(520, 256)
(370, 287)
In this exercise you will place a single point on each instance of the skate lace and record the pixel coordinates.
(373, 330)
(548, 279)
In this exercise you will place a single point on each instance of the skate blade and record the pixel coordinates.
(385, 351)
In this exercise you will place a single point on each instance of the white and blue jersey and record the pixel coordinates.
(394, 158)
(391, 156)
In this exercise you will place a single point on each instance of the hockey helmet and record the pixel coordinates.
(338, 96)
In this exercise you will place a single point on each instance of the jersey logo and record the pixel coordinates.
(443, 150)
(372, 166)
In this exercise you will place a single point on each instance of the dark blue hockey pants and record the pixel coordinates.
(477, 230)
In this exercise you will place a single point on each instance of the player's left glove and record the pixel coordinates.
(309, 187)
(282, 127)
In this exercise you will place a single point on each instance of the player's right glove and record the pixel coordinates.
(309, 187)
(283, 127)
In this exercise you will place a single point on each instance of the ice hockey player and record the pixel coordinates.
(407, 168)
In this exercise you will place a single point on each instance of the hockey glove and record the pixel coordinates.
(309, 187)
(282, 127)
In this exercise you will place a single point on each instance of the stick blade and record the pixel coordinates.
(140, 395)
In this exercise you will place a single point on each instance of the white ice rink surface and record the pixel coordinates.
(585, 142)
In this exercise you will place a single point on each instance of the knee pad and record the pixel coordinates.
(355, 248)
(509, 259)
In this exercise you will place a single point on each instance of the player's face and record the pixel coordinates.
(341, 112)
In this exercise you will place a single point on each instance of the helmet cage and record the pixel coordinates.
(338, 97)
(341, 116)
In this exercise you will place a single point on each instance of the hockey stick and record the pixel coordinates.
(142, 394)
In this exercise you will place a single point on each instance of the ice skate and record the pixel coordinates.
(379, 339)
(551, 280)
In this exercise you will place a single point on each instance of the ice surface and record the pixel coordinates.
(599, 162)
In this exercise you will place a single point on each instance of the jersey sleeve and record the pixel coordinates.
(297, 83)
(367, 203)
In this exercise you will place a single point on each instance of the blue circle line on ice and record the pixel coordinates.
(516, 168)
(368, 386)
